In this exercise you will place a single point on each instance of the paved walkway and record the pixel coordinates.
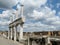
(4, 41)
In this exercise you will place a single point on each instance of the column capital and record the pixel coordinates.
(15, 25)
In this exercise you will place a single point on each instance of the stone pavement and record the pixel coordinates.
(4, 41)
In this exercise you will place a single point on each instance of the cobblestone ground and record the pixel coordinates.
(4, 41)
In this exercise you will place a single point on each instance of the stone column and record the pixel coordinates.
(11, 34)
(17, 14)
(29, 41)
(49, 41)
(22, 6)
(21, 32)
(15, 31)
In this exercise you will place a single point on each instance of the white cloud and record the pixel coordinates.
(38, 26)
(58, 5)
(46, 16)
(8, 4)
(51, 6)
(7, 13)
(4, 14)
(37, 19)
(44, 13)
(34, 3)
(5, 17)
(48, 21)
(37, 14)
(4, 23)
(30, 5)
(59, 13)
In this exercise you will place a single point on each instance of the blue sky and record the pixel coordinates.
(54, 4)
(41, 15)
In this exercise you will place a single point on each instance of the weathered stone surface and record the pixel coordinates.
(4, 41)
